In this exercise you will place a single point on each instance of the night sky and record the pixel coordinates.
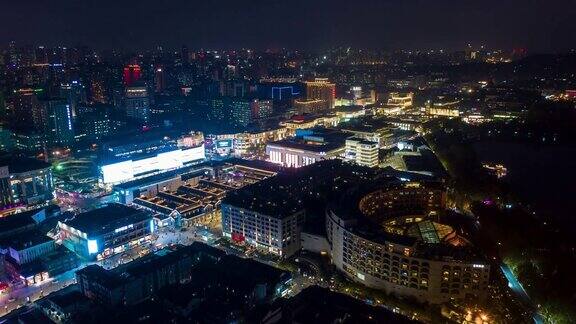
(539, 25)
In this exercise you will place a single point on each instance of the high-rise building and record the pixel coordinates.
(137, 103)
(74, 93)
(27, 56)
(97, 93)
(185, 55)
(25, 104)
(95, 125)
(159, 79)
(41, 56)
(233, 89)
(131, 74)
(13, 55)
(262, 109)
(321, 89)
(241, 111)
(56, 121)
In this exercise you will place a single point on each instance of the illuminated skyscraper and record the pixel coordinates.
(241, 111)
(321, 89)
(56, 119)
(132, 73)
(25, 104)
(137, 103)
(159, 79)
(97, 94)
(74, 93)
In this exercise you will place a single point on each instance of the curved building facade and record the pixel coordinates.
(388, 237)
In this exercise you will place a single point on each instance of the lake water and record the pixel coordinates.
(542, 175)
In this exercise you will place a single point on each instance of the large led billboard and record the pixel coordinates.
(125, 171)
(193, 154)
(170, 160)
(117, 172)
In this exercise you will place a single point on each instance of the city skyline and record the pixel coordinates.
(266, 161)
(448, 24)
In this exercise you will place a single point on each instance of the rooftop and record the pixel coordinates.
(106, 219)
(367, 124)
(13, 222)
(17, 164)
(320, 140)
(265, 198)
(104, 277)
(24, 240)
(361, 141)
(190, 170)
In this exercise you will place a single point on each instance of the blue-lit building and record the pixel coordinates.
(56, 122)
(106, 231)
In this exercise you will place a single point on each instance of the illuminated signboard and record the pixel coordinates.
(124, 228)
(117, 172)
(224, 144)
(193, 154)
(170, 160)
(127, 170)
(92, 246)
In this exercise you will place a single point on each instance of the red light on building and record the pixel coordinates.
(238, 238)
(132, 73)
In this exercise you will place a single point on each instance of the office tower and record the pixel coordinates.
(321, 89)
(261, 109)
(74, 93)
(96, 124)
(159, 79)
(97, 93)
(27, 56)
(185, 55)
(137, 103)
(232, 88)
(131, 74)
(216, 109)
(56, 121)
(41, 56)
(25, 104)
(241, 111)
(13, 55)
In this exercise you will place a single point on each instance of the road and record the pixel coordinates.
(517, 288)
(16, 298)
